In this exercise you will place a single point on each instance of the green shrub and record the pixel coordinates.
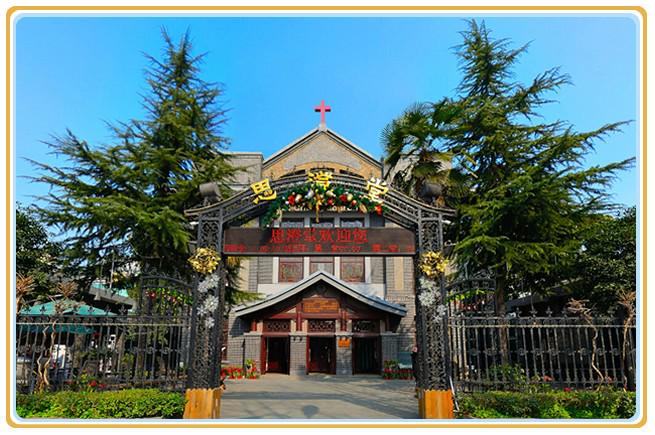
(604, 403)
(106, 404)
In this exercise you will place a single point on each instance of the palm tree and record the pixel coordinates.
(419, 159)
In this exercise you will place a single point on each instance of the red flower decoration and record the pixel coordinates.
(378, 209)
(343, 197)
(291, 199)
(567, 389)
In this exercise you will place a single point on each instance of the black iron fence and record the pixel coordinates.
(519, 353)
(101, 351)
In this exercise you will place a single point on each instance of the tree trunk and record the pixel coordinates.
(499, 296)
(503, 332)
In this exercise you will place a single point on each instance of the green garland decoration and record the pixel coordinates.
(315, 197)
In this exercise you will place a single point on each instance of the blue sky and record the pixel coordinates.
(78, 72)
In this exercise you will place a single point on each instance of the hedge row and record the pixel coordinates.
(601, 404)
(139, 403)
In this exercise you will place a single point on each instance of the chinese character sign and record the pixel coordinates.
(319, 241)
(322, 178)
(376, 189)
(263, 191)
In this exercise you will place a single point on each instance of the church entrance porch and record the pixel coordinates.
(366, 355)
(319, 325)
(321, 354)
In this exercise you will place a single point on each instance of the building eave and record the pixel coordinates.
(315, 278)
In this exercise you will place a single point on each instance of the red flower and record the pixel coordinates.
(330, 201)
(291, 199)
(567, 389)
(378, 209)
(343, 197)
(93, 383)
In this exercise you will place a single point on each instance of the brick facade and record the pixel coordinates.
(390, 278)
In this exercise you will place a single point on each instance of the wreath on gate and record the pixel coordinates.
(433, 264)
(205, 260)
(317, 197)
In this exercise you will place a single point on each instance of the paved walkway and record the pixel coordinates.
(319, 396)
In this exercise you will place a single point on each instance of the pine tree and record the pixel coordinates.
(520, 187)
(36, 254)
(605, 270)
(127, 199)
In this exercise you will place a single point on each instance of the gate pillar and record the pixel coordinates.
(207, 318)
(433, 377)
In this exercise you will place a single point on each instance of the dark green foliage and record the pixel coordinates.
(36, 255)
(520, 187)
(127, 199)
(606, 403)
(108, 404)
(606, 267)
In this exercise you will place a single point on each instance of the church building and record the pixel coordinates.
(333, 314)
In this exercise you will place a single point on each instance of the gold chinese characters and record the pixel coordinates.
(263, 191)
(376, 188)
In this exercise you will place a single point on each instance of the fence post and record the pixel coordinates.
(202, 403)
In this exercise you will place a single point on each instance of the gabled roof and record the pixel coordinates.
(321, 276)
(315, 132)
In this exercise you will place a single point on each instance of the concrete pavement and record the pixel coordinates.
(319, 396)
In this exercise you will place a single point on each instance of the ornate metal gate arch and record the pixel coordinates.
(427, 223)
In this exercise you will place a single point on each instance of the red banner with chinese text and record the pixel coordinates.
(319, 241)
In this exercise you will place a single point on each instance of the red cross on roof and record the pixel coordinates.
(322, 108)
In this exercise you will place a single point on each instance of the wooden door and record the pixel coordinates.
(321, 358)
(278, 354)
(366, 355)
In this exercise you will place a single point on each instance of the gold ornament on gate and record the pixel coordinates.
(205, 260)
(433, 264)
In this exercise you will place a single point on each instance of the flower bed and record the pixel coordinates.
(237, 372)
(392, 370)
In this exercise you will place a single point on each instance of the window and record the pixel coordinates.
(291, 268)
(352, 268)
(325, 264)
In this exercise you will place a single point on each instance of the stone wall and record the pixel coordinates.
(235, 331)
(344, 366)
(298, 353)
(264, 270)
(251, 163)
(400, 290)
(252, 347)
(389, 344)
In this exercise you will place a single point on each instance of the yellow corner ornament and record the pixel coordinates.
(204, 261)
(433, 264)
(263, 191)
